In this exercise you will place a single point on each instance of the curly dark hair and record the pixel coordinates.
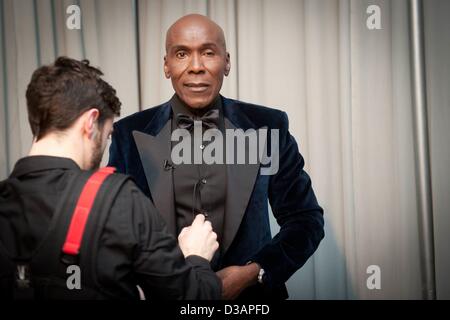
(59, 93)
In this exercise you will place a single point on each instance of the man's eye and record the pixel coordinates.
(181, 55)
(209, 53)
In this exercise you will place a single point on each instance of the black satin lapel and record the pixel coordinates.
(240, 183)
(154, 151)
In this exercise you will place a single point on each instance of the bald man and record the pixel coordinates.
(168, 150)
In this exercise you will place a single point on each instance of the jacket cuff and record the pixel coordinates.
(195, 260)
(203, 264)
(272, 272)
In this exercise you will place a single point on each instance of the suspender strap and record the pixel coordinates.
(83, 209)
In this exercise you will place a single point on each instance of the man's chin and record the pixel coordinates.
(197, 103)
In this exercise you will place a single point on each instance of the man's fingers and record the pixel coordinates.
(183, 231)
(212, 240)
(208, 225)
(215, 246)
(199, 219)
(214, 235)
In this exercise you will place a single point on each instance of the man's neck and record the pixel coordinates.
(55, 146)
(179, 106)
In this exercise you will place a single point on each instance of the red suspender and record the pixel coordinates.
(83, 209)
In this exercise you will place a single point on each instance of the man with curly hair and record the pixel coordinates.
(125, 242)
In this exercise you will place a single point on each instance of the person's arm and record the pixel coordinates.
(300, 217)
(295, 207)
(237, 278)
(161, 268)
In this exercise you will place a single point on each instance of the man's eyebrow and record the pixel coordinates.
(209, 45)
(178, 48)
(212, 45)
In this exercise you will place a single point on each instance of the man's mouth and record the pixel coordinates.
(196, 86)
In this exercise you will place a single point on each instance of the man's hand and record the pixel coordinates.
(198, 239)
(236, 278)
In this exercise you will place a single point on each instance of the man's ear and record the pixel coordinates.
(227, 64)
(90, 122)
(166, 68)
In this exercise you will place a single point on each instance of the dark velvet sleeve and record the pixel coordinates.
(296, 210)
(116, 158)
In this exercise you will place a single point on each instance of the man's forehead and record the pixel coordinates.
(194, 32)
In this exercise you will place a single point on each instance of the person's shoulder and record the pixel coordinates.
(128, 195)
(132, 200)
(262, 115)
(128, 184)
(6, 188)
(138, 120)
(129, 190)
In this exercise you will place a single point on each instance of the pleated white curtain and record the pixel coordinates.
(345, 88)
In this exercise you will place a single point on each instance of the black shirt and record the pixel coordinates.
(135, 247)
(199, 187)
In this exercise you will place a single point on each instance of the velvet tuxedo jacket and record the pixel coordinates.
(141, 145)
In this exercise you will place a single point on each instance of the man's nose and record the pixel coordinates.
(196, 64)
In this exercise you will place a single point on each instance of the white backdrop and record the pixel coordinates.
(345, 88)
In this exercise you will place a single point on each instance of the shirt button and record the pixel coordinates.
(204, 181)
(202, 146)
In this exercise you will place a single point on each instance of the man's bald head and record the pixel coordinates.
(192, 23)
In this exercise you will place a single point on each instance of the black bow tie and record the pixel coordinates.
(209, 120)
